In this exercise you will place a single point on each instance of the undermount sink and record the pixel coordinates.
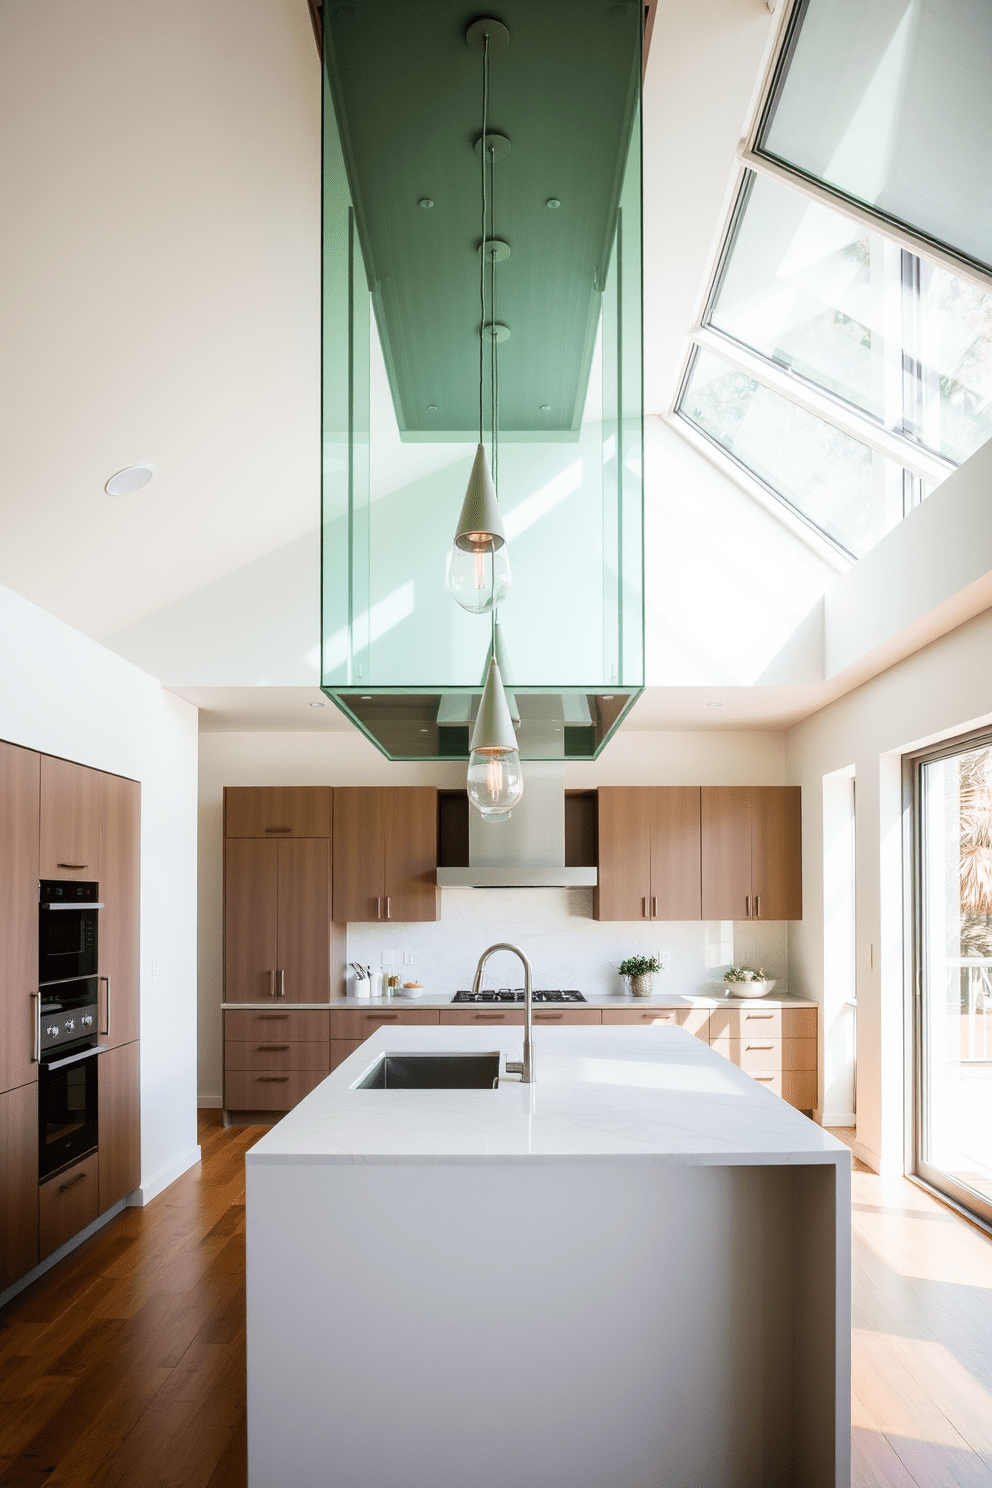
(433, 1072)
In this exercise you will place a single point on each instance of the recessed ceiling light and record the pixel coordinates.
(423, 731)
(553, 203)
(129, 480)
(714, 705)
(318, 705)
(545, 407)
(426, 203)
(366, 699)
(432, 408)
(608, 697)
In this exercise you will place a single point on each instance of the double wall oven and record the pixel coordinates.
(67, 1022)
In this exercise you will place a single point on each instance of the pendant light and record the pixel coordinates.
(495, 781)
(479, 574)
(497, 648)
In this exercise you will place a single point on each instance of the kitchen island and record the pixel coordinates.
(634, 1273)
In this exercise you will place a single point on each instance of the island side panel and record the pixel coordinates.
(822, 1288)
(440, 1324)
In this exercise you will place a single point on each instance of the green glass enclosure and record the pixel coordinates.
(401, 319)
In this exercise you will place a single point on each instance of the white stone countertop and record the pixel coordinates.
(617, 1000)
(655, 1095)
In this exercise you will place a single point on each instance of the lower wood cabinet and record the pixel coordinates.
(694, 1020)
(273, 1058)
(776, 1046)
(67, 1203)
(120, 1124)
(18, 1183)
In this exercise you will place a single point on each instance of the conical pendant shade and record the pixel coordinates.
(480, 522)
(504, 670)
(493, 732)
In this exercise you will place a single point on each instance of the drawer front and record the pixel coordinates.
(561, 1016)
(244, 1025)
(757, 1053)
(341, 1048)
(253, 1090)
(358, 1024)
(275, 1054)
(67, 1203)
(776, 1023)
(798, 1087)
(694, 1020)
(278, 811)
(481, 1016)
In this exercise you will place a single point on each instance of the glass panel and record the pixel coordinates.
(889, 103)
(955, 1088)
(816, 292)
(849, 492)
(401, 384)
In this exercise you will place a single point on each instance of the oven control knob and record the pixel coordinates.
(86, 1019)
(53, 1030)
(70, 1025)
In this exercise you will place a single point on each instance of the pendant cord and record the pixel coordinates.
(493, 352)
(482, 271)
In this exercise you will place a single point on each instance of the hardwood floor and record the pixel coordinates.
(124, 1367)
(125, 1364)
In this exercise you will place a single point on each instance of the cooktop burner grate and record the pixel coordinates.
(516, 994)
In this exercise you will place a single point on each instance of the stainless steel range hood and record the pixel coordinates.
(528, 851)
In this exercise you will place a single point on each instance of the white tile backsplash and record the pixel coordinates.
(566, 946)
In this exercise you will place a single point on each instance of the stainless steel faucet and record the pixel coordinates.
(524, 1068)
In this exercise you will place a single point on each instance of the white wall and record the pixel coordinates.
(942, 690)
(62, 693)
(717, 757)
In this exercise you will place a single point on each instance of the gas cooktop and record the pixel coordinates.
(516, 994)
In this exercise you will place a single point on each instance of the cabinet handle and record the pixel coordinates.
(378, 908)
(765, 1079)
(273, 1079)
(757, 906)
(769, 1047)
(282, 982)
(387, 906)
(490, 1017)
(75, 865)
(272, 984)
(278, 829)
(71, 1181)
(547, 1017)
(271, 1048)
(758, 1015)
(106, 1031)
(272, 1017)
(654, 906)
(747, 906)
(657, 1015)
(644, 909)
(387, 1017)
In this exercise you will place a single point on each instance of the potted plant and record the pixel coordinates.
(746, 981)
(639, 972)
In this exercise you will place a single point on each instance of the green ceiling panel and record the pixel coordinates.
(407, 93)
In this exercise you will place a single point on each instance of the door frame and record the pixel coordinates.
(965, 1199)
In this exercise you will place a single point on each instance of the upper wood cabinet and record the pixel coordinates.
(277, 920)
(20, 785)
(277, 811)
(120, 853)
(752, 852)
(649, 853)
(385, 853)
(71, 806)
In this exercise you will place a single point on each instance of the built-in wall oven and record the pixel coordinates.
(67, 1025)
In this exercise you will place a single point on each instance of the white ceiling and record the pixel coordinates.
(159, 276)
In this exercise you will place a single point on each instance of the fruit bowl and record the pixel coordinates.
(750, 989)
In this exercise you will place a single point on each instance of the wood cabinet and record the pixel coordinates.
(18, 1183)
(693, 1020)
(67, 1203)
(277, 920)
(277, 811)
(119, 1104)
(273, 1058)
(649, 853)
(71, 809)
(385, 853)
(20, 796)
(120, 852)
(775, 1046)
(751, 853)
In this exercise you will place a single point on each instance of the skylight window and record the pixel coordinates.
(844, 373)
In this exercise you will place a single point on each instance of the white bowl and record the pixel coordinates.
(750, 989)
(409, 991)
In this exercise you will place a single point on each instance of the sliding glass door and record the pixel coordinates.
(953, 1042)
